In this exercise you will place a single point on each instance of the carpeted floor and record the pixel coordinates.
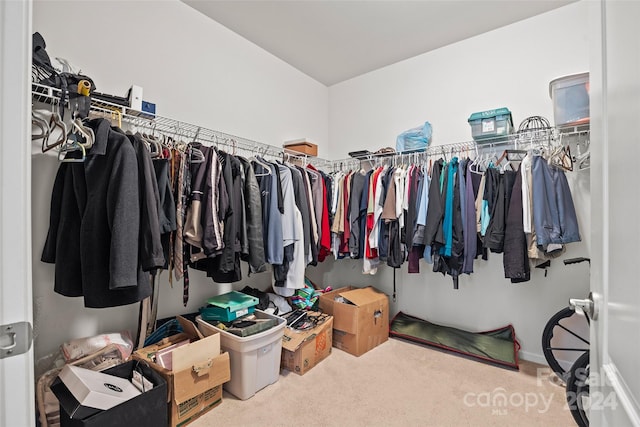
(401, 384)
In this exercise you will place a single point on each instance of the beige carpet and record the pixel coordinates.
(400, 384)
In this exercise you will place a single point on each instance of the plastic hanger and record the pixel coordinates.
(56, 126)
(262, 163)
(41, 124)
(85, 133)
(70, 145)
(561, 158)
(195, 155)
(583, 160)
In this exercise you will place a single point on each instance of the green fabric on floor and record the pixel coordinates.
(498, 346)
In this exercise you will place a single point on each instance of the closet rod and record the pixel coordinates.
(530, 139)
(179, 129)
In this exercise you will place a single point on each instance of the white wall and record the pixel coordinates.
(509, 67)
(248, 92)
(196, 71)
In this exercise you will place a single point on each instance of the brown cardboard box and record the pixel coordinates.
(302, 146)
(194, 383)
(360, 325)
(301, 351)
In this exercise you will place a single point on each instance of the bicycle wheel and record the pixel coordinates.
(563, 339)
(578, 390)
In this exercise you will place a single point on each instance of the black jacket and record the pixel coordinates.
(253, 208)
(433, 234)
(95, 222)
(515, 259)
(151, 252)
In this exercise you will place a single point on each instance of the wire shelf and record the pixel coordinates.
(534, 138)
(179, 130)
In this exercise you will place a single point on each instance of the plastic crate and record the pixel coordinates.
(491, 124)
(229, 306)
(570, 95)
(255, 360)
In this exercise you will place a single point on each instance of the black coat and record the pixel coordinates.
(150, 245)
(253, 226)
(515, 259)
(95, 222)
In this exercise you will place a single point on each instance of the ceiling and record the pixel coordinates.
(335, 40)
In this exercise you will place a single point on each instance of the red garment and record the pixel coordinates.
(325, 240)
(324, 248)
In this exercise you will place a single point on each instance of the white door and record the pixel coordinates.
(615, 192)
(16, 371)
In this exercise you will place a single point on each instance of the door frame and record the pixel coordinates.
(16, 292)
(617, 405)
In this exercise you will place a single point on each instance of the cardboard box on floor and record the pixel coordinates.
(194, 383)
(302, 350)
(361, 325)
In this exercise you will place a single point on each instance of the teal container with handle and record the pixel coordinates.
(491, 125)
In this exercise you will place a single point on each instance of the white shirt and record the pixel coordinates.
(525, 171)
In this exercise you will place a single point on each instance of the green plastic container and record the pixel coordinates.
(491, 125)
(229, 306)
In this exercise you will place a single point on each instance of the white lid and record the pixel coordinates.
(570, 80)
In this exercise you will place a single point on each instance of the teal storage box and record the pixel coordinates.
(491, 125)
(229, 306)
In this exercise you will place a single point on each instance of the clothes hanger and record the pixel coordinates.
(560, 157)
(56, 125)
(70, 145)
(261, 162)
(583, 160)
(87, 137)
(41, 124)
(195, 155)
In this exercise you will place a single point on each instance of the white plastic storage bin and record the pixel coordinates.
(570, 95)
(255, 360)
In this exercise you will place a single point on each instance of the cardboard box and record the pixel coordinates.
(147, 409)
(302, 146)
(301, 351)
(361, 322)
(194, 383)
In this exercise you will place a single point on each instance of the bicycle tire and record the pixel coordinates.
(577, 389)
(547, 335)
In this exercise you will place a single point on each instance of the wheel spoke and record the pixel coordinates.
(566, 349)
(574, 334)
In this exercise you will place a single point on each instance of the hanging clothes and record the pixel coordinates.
(357, 189)
(302, 203)
(448, 258)
(469, 220)
(150, 245)
(94, 227)
(254, 255)
(290, 274)
(434, 236)
(554, 214)
(167, 207)
(515, 260)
